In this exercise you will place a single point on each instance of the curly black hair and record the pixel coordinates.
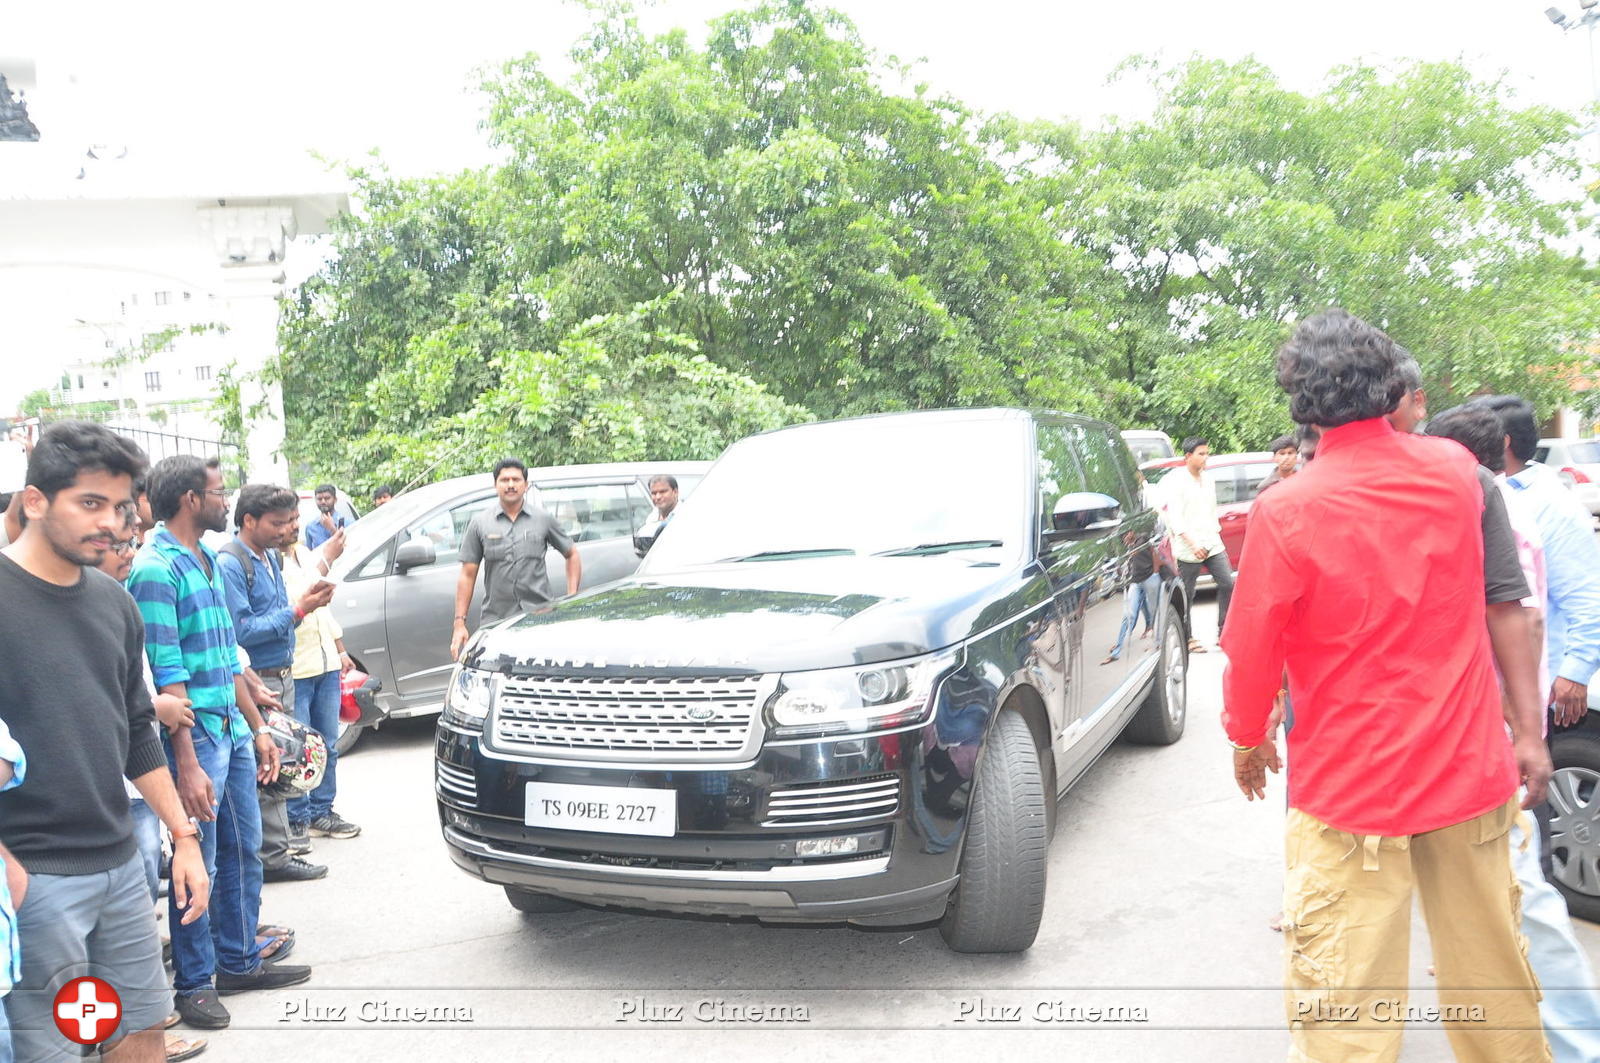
(1338, 369)
(1477, 428)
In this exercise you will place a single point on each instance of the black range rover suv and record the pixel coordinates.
(849, 683)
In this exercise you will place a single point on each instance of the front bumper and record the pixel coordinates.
(734, 850)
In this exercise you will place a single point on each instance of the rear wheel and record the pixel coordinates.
(1160, 720)
(999, 899)
(538, 903)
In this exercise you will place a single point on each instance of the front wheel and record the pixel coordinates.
(349, 735)
(999, 898)
(1160, 719)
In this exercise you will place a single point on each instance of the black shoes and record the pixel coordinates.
(333, 825)
(202, 1009)
(266, 976)
(296, 870)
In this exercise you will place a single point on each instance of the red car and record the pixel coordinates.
(1238, 479)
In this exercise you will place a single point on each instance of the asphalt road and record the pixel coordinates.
(1162, 879)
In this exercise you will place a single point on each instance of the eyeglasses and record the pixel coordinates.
(125, 546)
(219, 492)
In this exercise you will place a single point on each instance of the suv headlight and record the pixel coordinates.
(469, 697)
(865, 698)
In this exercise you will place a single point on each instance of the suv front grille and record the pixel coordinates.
(685, 719)
(830, 803)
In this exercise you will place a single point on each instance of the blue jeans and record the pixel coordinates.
(1570, 1009)
(317, 704)
(225, 937)
(147, 833)
(1142, 598)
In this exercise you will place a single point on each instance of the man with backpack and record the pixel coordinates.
(265, 622)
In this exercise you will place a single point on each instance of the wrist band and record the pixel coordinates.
(1237, 748)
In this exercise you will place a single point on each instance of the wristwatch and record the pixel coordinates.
(263, 730)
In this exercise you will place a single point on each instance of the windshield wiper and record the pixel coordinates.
(791, 555)
(941, 548)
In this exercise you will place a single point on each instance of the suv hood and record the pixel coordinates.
(762, 616)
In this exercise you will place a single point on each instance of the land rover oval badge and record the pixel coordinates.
(702, 712)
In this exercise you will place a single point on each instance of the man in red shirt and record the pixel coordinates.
(1366, 583)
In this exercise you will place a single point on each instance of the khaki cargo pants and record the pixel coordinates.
(1347, 932)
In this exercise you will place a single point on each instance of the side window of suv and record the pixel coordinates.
(1059, 471)
(588, 512)
(1102, 470)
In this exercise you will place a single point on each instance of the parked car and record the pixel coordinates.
(862, 706)
(1575, 811)
(1577, 462)
(397, 576)
(1148, 445)
(1238, 479)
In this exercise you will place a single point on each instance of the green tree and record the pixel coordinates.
(1416, 198)
(815, 240)
(683, 244)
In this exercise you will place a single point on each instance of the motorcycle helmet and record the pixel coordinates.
(302, 756)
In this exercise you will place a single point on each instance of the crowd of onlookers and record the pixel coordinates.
(166, 705)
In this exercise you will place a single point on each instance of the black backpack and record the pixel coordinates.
(235, 549)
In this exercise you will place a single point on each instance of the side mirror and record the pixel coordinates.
(1083, 515)
(646, 536)
(414, 553)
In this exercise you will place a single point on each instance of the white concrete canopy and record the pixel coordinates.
(219, 237)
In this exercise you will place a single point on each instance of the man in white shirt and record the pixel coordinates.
(1189, 506)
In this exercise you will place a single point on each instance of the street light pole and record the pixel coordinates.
(1589, 20)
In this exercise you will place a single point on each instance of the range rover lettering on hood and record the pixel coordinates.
(641, 660)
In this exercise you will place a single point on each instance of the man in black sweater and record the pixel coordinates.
(74, 698)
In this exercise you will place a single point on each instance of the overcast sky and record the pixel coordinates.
(188, 87)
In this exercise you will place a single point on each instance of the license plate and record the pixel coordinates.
(609, 809)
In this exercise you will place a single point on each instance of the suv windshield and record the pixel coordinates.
(903, 485)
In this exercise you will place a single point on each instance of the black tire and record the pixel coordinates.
(538, 903)
(349, 735)
(1575, 820)
(999, 899)
(1165, 710)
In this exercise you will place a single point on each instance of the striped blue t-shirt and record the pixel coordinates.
(188, 631)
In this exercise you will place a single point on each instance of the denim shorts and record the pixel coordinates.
(73, 925)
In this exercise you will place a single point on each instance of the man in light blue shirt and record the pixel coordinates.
(1572, 560)
(1571, 1006)
(13, 766)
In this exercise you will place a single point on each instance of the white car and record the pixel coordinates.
(1148, 445)
(1577, 462)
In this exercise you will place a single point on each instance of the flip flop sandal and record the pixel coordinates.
(179, 1049)
(1196, 647)
(171, 1021)
(275, 949)
(265, 930)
